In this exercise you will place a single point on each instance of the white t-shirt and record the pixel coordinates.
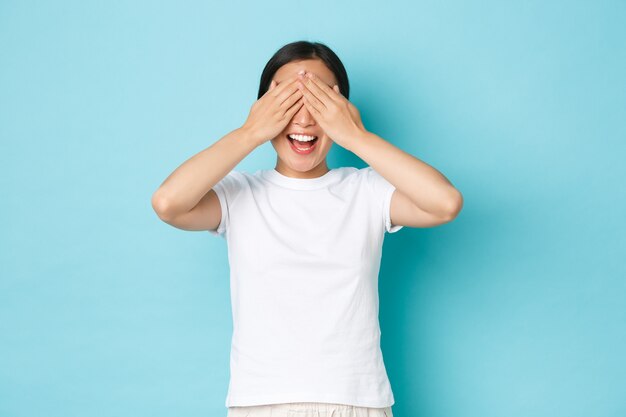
(304, 258)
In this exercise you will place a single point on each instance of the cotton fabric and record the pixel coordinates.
(304, 258)
(308, 409)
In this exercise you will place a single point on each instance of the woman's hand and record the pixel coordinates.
(272, 112)
(337, 116)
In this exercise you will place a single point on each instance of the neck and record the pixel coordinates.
(315, 172)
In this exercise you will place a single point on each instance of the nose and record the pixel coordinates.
(303, 117)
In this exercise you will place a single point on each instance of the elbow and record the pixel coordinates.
(453, 206)
(162, 206)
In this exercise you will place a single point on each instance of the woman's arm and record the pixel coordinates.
(423, 196)
(424, 186)
(183, 189)
(186, 199)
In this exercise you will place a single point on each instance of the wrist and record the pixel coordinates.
(245, 135)
(357, 138)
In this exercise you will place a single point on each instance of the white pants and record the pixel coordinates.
(308, 409)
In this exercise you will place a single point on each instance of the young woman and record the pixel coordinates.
(304, 240)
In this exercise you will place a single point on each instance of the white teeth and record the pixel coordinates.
(302, 138)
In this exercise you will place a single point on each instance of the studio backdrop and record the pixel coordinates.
(517, 308)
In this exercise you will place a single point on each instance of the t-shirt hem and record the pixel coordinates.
(387, 212)
(221, 196)
(238, 401)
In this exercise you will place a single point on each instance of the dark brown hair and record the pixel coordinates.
(301, 50)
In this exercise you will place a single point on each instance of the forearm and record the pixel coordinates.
(424, 185)
(183, 188)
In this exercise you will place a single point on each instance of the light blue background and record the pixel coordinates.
(515, 309)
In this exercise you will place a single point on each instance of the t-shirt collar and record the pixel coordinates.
(300, 183)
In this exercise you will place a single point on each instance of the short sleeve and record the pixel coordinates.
(382, 191)
(226, 189)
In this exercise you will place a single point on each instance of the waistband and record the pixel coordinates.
(315, 406)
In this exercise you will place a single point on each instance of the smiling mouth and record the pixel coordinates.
(303, 144)
(302, 147)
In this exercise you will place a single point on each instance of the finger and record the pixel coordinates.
(283, 85)
(318, 92)
(288, 102)
(321, 87)
(272, 85)
(314, 101)
(315, 112)
(293, 109)
(288, 90)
